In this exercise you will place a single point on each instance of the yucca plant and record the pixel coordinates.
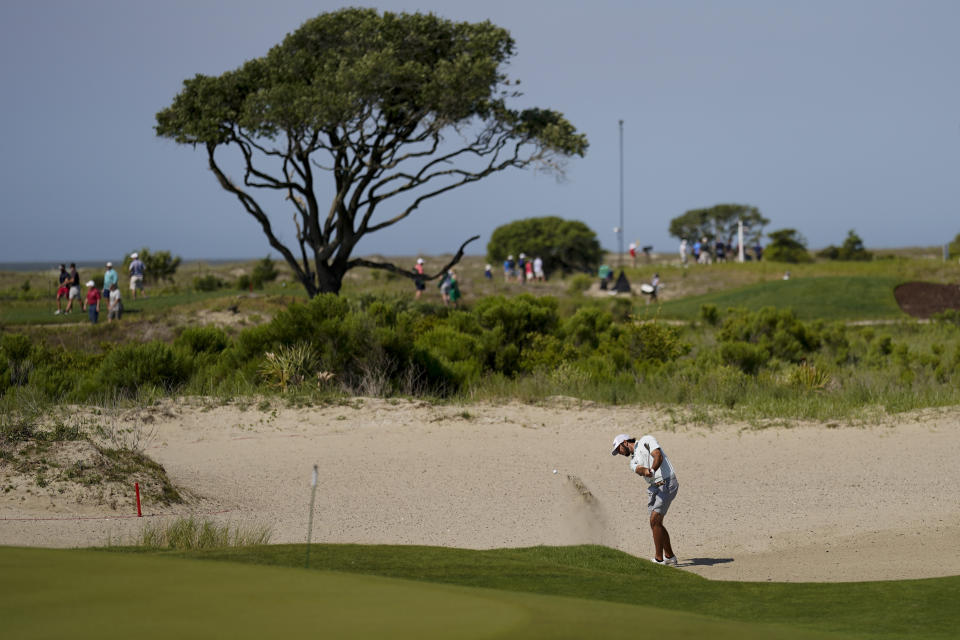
(289, 366)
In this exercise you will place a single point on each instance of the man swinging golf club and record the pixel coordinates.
(647, 459)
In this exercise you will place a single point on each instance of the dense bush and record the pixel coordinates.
(129, 367)
(787, 245)
(208, 282)
(203, 340)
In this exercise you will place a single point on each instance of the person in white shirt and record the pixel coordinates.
(648, 460)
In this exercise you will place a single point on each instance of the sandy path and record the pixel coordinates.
(806, 503)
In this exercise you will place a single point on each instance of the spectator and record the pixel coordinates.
(418, 282)
(758, 252)
(696, 251)
(721, 251)
(538, 269)
(683, 252)
(445, 288)
(114, 304)
(508, 272)
(633, 253)
(522, 268)
(109, 277)
(63, 287)
(488, 272)
(93, 301)
(137, 269)
(74, 283)
(454, 288)
(529, 268)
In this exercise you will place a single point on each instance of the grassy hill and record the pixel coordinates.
(824, 297)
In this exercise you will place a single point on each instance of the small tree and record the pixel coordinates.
(264, 272)
(565, 245)
(160, 265)
(852, 249)
(787, 245)
(395, 109)
(954, 247)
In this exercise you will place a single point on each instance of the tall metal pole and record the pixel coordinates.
(620, 228)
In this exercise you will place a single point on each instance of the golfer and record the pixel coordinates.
(647, 459)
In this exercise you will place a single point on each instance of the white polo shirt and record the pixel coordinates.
(642, 457)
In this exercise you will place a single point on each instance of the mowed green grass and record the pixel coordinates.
(88, 594)
(824, 298)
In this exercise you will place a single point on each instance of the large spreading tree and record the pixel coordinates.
(719, 222)
(356, 119)
(564, 245)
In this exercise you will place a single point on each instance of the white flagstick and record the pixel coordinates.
(313, 495)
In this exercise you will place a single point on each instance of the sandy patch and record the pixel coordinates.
(806, 503)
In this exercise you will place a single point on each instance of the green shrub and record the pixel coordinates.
(579, 283)
(128, 367)
(778, 331)
(208, 282)
(710, 314)
(747, 357)
(203, 340)
(263, 272)
(653, 342)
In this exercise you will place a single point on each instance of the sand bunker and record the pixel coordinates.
(813, 502)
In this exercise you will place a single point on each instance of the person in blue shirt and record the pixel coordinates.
(110, 277)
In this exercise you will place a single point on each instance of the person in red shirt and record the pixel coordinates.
(93, 301)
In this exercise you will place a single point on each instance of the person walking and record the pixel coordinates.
(418, 282)
(63, 288)
(444, 286)
(454, 291)
(73, 281)
(114, 303)
(137, 268)
(93, 301)
(648, 460)
(110, 277)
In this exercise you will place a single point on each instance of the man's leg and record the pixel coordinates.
(661, 537)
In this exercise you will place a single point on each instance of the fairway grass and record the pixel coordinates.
(87, 594)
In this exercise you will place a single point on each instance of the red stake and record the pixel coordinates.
(136, 486)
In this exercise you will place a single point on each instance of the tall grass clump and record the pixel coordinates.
(191, 533)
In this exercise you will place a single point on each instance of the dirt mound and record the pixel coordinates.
(923, 299)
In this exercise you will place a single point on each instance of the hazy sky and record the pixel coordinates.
(826, 115)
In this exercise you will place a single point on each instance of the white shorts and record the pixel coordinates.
(660, 498)
(136, 282)
(74, 292)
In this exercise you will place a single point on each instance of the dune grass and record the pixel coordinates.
(88, 594)
(895, 609)
(194, 533)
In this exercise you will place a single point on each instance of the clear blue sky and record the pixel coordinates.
(827, 115)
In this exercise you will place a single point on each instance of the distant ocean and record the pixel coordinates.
(98, 264)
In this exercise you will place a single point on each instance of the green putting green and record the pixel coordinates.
(88, 594)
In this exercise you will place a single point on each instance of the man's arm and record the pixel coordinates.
(648, 472)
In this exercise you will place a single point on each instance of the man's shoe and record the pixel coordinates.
(670, 562)
(57, 312)
(655, 561)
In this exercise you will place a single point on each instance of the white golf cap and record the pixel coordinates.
(419, 260)
(620, 439)
(109, 264)
(91, 283)
(133, 255)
